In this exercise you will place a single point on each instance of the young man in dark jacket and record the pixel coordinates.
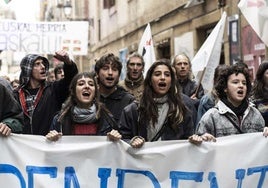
(11, 116)
(39, 99)
(108, 69)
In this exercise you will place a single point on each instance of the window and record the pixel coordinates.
(163, 49)
(107, 4)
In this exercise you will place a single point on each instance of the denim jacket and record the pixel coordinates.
(222, 121)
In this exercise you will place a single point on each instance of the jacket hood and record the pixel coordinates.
(26, 66)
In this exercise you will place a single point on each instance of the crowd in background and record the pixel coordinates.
(164, 104)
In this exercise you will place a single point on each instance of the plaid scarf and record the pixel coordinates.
(29, 101)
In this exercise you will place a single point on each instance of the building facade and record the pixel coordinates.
(177, 26)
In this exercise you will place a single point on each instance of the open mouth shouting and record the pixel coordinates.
(162, 85)
(86, 94)
(241, 93)
(109, 80)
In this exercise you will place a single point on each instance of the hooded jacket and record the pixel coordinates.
(53, 95)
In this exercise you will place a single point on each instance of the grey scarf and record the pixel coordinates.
(163, 107)
(82, 115)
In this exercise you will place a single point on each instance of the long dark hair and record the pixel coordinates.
(258, 86)
(148, 107)
(72, 99)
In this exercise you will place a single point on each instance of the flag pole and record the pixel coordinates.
(199, 82)
(202, 75)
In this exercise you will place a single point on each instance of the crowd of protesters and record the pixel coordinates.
(164, 104)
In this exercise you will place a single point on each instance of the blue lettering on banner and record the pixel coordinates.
(104, 174)
(71, 178)
(9, 169)
(175, 176)
(213, 180)
(31, 170)
(239, 175)
(120, 173)
(262, 170)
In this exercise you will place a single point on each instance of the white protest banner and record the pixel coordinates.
(146, 48)
(256, 13)
(44, 37)
(28, 161)
(208, 56)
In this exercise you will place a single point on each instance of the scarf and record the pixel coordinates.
(163, 107)
(29, 99)
(239, 111)
(133, 83)
(85, 116)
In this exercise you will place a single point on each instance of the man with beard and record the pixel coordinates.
(39, 99)
(108, 69)
(133, 82)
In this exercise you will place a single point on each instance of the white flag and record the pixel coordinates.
(256, 13)
(208, 56)
(146, 48)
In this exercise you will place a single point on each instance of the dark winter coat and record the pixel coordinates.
(130, 127)
(10, 111)
(54, 94)
(117, 101)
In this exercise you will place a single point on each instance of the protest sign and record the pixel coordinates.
(93, 161)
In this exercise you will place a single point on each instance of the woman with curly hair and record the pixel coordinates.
(82, 113)
(233, 113)
(161, 114)
(260, 90)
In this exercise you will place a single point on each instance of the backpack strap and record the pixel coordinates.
(231, 120)
(110, 120)
(161, 131)
(234, 124)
